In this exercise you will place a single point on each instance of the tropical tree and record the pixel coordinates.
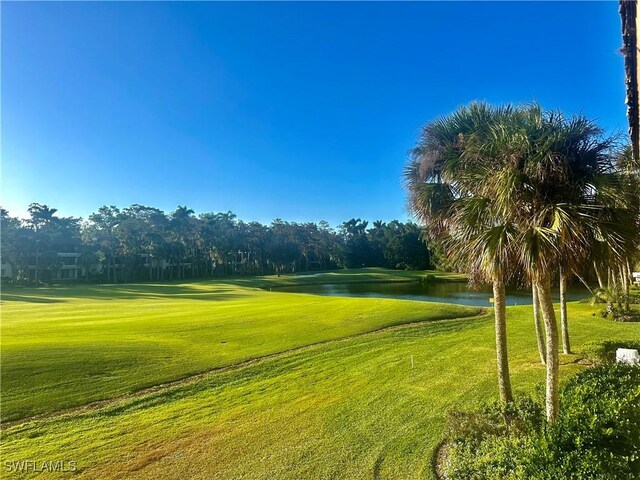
(521, 193)
(40, 218)
(100, 231)
(14, 243)
(357, 247)
(403, 246)
(447, 193)
(557, 185)
(145, 243)
(184, 229)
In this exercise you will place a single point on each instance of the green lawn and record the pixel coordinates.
(68, 346)
(346, 409)
(355, 275)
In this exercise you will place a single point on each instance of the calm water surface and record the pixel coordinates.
(458, 293)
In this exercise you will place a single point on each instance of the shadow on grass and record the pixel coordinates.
(121, 292)
(212, 289)
(25, 298)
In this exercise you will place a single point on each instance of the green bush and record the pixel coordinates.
(596, 436)
(494, 419)
(605, 352)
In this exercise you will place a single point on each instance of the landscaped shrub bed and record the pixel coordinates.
(596, 436)
(605, 352)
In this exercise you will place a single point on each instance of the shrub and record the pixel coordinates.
(605, 352)
(494, 419)
(614, 298)
(596, 436)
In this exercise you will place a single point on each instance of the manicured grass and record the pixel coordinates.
(355, 275)
(348, 409)
(69, 346)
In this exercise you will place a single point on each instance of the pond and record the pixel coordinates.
(459, 293)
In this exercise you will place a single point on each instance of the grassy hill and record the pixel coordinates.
(70, 345)
(368, 406)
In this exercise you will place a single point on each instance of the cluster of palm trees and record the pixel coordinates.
(518, 194)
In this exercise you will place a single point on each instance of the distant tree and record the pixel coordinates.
(139, 228)
(357, 248)
(15, 245)
(184, 228)
(100, 232)
(40, 219)
(404, 246)
(144, 243)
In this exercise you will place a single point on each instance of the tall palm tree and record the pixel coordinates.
(561, 177)
(564, 320)
(41, 217)
(518, 183)
(446, 194)
(521, 190)
(184, 228)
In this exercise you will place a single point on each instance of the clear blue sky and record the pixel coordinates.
(303, 111)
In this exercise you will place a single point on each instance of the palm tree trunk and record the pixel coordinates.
(614, 284)
(500, 312)
(626, 268)
(546, 307)
(537, 321)
(564, 321)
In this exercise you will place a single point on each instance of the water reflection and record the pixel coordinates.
(458, 293)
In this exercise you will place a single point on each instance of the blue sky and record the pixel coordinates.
(303, 111)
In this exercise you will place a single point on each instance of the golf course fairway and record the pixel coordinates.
(265, 384)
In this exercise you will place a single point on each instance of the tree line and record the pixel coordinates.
(141, 243)
(518, 194)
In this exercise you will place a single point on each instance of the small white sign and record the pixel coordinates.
(627, 355)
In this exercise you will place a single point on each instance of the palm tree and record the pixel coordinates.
(41, 217)
(446, 193)
(518, 182)
(184, 228)
(561, 178)
(484, 243)
(516, 189)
